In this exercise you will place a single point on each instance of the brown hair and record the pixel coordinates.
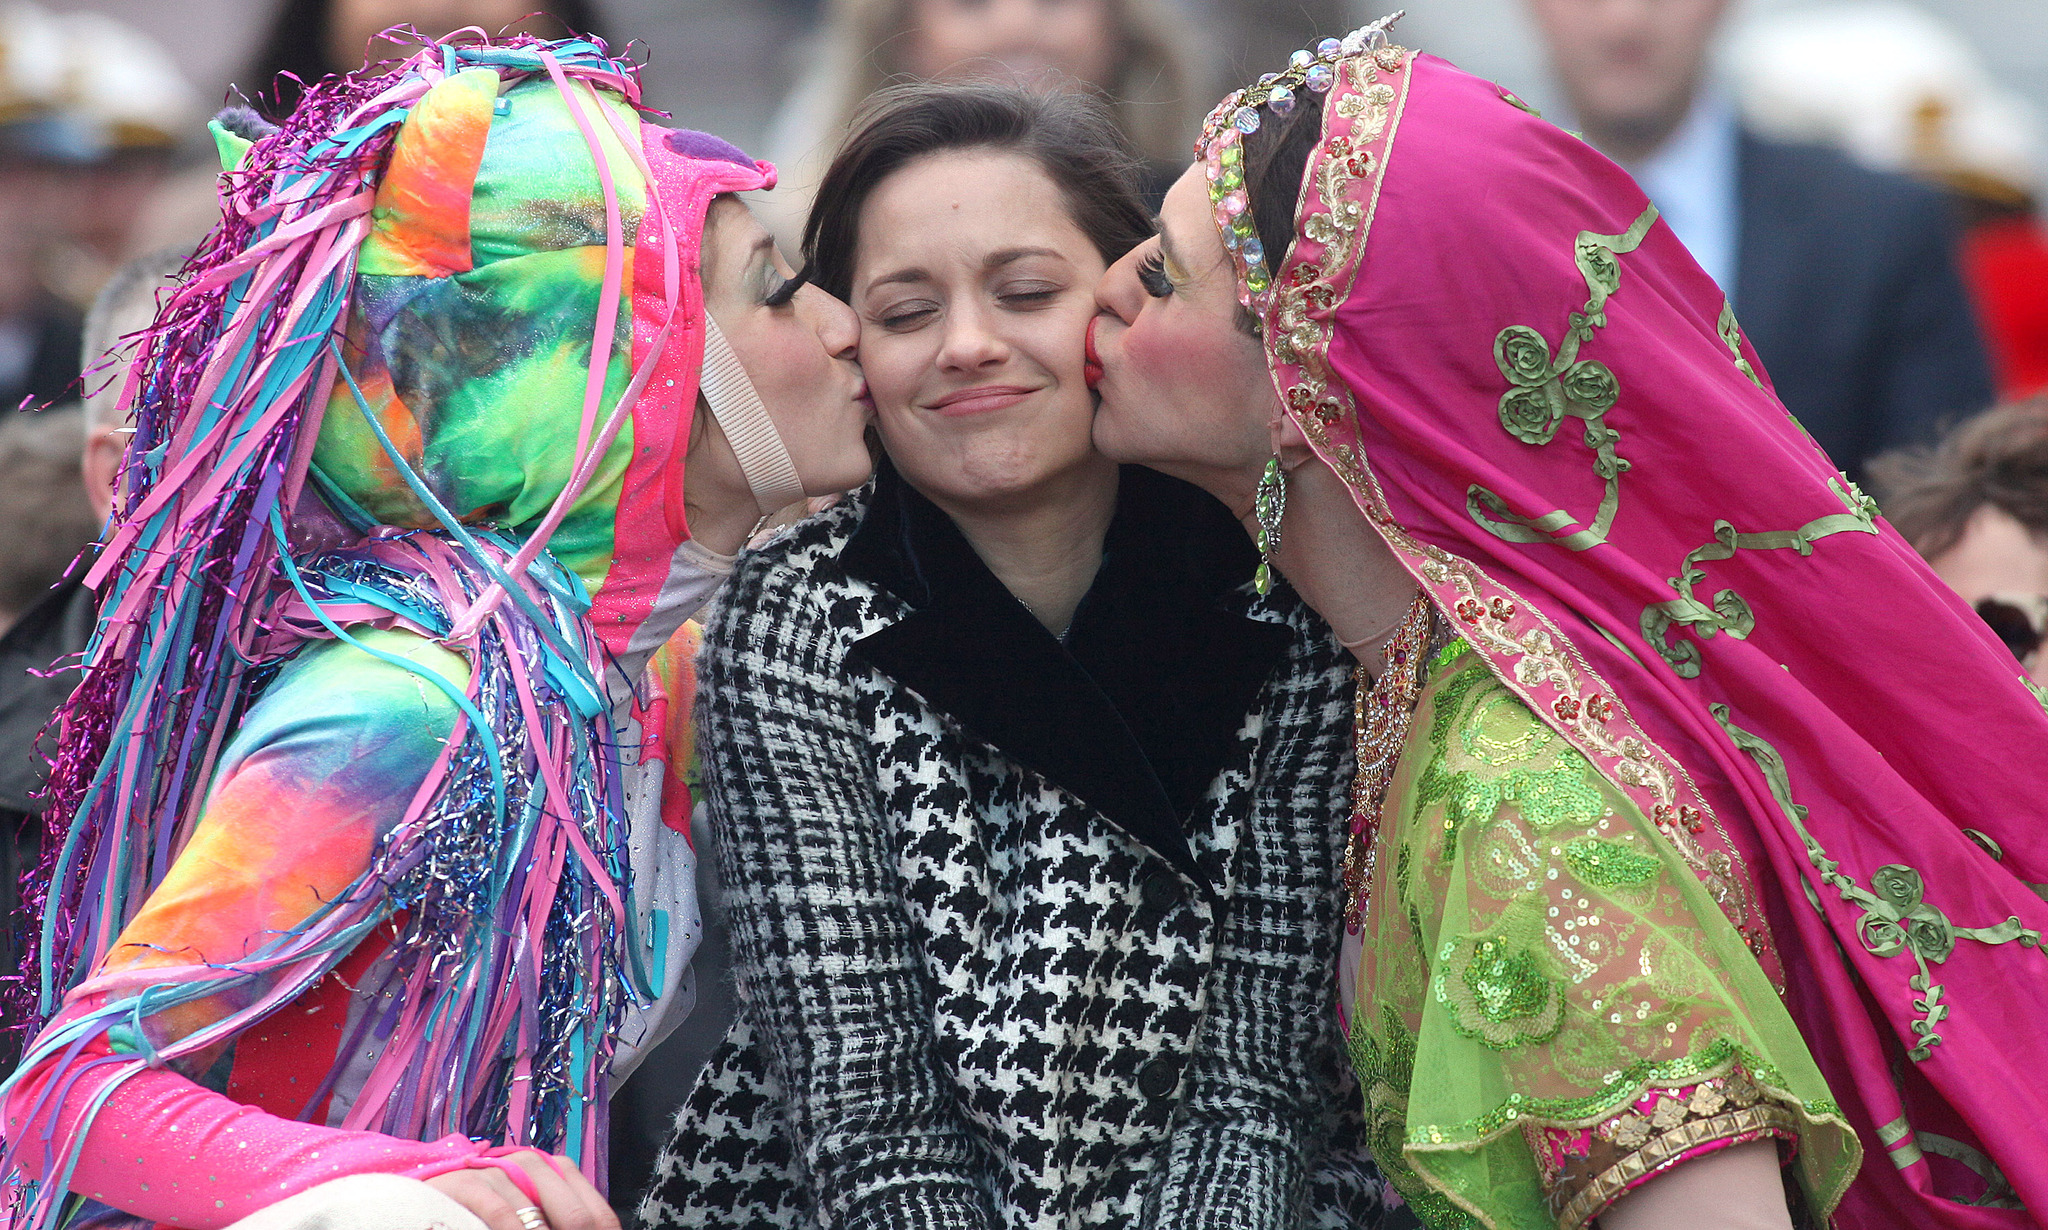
(1153, 87)
(1999, 459)
(1070, 138)
(1275, 161)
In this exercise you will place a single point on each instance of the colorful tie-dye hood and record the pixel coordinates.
(480, 295)
(434, 370)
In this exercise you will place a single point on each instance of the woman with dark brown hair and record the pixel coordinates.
(1021, 794)
(1695, 823)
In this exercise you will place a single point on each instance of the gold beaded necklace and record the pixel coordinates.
(1380, 714)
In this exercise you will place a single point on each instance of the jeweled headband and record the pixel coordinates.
(1221, 147)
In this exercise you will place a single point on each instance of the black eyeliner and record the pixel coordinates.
(781, 295)
(1152, 276)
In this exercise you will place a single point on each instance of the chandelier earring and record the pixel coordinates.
(1269, 505)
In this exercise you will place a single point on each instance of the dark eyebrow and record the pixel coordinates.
(912, 274)
(1007, 256)
(996, 260)
(763, 244)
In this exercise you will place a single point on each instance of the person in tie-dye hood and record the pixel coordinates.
(360, 861)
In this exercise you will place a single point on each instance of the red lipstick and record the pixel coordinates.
(1091, 366)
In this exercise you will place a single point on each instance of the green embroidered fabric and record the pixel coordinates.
(1731, 333)
(2040, 693)
(1897, 919)
(1537, 954)
(1730, 613)
(1543, 390)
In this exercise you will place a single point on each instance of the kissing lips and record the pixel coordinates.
(1091, 366)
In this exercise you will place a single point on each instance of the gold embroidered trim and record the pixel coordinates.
(1665, 1147)
(1541, 664)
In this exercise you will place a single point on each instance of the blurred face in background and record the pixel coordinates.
(31, 203)
(1630, 67)
(353, 23)
(1030, 41)
(2000, 567)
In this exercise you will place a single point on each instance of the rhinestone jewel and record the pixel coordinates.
(1329, 48)
(1300, 59)
(1281, 101)
(1246, 120)
(1234, 204)
(1254, 251)
(1320, 79)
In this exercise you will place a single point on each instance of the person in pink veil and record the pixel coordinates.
(1695, 839)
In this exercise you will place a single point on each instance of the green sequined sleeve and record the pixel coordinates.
(1537, 957)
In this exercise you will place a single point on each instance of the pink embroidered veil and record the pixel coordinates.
(1552, 416)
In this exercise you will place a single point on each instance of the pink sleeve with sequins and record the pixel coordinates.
(166, 1149)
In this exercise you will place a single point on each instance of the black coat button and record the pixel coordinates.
(1159, 1078)
(1159, 893)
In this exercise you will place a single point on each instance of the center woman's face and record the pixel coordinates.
(974, 289)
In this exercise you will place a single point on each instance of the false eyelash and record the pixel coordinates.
(1152, 276)
(782, 294)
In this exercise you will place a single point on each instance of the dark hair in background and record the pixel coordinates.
(1072, 139)
(298, 38)
(1998, 459)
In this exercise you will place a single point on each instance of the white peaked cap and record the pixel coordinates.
(96, 73)
(1888, 84)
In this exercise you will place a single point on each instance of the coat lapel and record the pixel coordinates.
(1138, 712)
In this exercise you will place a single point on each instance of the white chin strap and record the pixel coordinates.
(744, 420)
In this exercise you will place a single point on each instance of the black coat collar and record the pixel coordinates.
(1137, 711)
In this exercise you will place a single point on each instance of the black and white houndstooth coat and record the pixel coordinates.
(1026, 934)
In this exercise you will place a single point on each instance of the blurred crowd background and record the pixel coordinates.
(1864, 177)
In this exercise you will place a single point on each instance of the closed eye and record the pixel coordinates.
(781, 295)
(1152, 276)
(910, 314)
(1028, 294)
